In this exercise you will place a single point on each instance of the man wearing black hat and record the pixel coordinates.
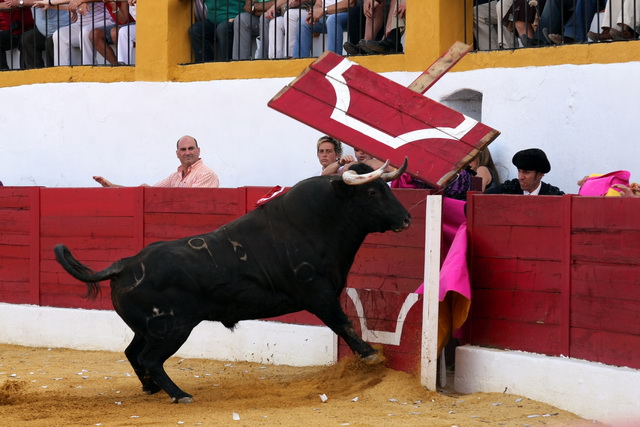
(532, 164)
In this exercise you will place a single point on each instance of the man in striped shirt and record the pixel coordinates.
(192, 172)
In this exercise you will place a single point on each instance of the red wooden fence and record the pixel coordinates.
(103, 225)
(556, 275)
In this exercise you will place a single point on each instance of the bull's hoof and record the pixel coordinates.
(185, 399)
(374, 359)
(152, 389)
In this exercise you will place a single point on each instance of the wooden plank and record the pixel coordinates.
(507, 210)
(107, 244)
(516, 274)
(443, 64)
(14, 292)
(414, 201)
(14, 269)
(410, 238)
(510, 241)
(388, 262)
(88, 202)
(520, 306)
(565, 280)
(218, 201)
(431, 273)
(14, 251)
(609, 281)
(608, 315)
(536, 338)
(84, 226)
(298, 318)
(34, 245)
(383, 282)
(167, 226)
(607, 246)
(606, 347)
(611, 213)
(14, 221)
(12, 198)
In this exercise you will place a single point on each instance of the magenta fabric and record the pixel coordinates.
(454, 274)
(600, 185)
(454, 246)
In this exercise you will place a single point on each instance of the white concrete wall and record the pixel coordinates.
(59, 135)
(252, 341)
(590, 390)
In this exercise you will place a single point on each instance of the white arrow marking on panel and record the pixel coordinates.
(382, 337)
(343, 99)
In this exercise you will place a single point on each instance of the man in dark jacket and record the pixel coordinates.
(532, 164)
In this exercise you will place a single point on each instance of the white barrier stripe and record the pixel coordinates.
(335, 77)
(382, 337)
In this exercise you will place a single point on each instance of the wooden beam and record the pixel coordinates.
(443, 64)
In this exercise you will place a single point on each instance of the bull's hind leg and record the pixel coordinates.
(133, 352)
(155, 353)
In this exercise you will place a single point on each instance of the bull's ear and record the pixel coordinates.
(340, 188)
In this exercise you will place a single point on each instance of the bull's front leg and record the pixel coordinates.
(329, 311)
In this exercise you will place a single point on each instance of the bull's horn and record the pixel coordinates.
(353, 178)
(390, 176)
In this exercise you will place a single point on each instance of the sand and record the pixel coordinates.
(56, 387)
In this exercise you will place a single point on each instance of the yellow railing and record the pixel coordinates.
(163, 44)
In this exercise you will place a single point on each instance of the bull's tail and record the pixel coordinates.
(82, 272)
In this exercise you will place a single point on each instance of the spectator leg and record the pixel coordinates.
(202, 35)
(224, 37)
(580, 21)
(126, 39)
(336, 24)
(245, 27)
(32, 43)
(88, 52)
(63, 40)
(303, 49)
(49, 51)
(263, 37)
(293, 29)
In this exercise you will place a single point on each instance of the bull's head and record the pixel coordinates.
(379, 207)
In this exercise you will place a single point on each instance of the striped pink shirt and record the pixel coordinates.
(198, 175)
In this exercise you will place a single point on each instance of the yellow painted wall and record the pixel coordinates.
(432, 26)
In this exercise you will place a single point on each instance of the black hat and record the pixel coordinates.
(532, 159)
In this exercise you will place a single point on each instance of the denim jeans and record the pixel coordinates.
(553, 16)
(578, 25)
(332, 25)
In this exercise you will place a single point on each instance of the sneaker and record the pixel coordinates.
(384, 46)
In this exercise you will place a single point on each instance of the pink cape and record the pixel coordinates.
(600, 185)
(454, 274)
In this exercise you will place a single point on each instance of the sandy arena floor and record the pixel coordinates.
(60, 387)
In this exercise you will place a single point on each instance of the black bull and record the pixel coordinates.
(292, 253)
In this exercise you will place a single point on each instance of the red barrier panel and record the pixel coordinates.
(556, 275)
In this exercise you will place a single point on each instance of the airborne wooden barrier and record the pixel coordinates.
(557, 276)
